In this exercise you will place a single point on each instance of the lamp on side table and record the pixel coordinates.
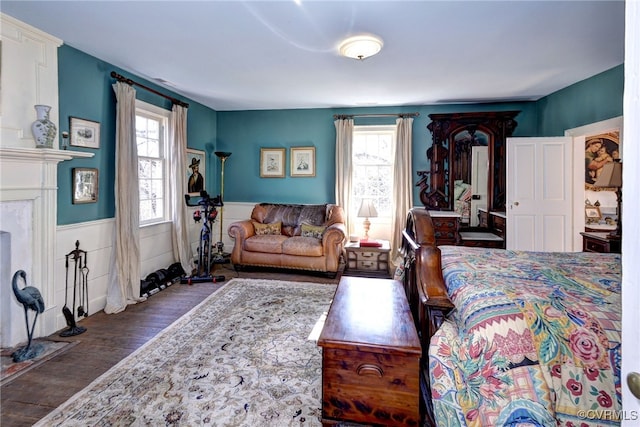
(611, 176)
(367, 210)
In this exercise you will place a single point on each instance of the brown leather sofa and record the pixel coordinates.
(303, 237)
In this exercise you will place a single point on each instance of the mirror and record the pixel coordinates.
(467, 163)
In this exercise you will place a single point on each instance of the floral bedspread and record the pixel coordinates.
(534, 339)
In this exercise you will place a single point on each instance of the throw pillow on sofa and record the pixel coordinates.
(308, 230)
(267, 229)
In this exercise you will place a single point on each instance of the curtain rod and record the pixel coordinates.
(122, 78)
(351, 116)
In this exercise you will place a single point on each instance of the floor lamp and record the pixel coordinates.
(223, 155)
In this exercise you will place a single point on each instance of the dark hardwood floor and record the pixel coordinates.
(110, 338)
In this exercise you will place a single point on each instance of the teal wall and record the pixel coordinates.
(592, 100)
(245, 132)
(85, 92)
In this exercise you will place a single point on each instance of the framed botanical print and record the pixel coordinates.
(303, 161)
(84, 133)
(85, 185)
(196, 171)
(272, 161)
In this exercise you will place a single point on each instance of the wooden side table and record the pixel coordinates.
(600, 242)
(370, 356)
(367, 261)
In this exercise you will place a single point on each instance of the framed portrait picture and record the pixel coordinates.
(592, 213)
(196, 171)
(85, 185)
(84, 133)
(272, 162)
(600, 149)
(303, 161)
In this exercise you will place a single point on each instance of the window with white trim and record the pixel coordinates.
(151, 138)
(373, 151)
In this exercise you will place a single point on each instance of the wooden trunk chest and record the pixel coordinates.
(370, 356)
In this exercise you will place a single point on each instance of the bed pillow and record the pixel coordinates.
(308, 230)
(460, 188)
(267, 229)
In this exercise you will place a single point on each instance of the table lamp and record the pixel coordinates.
(367, 210)
(611, 176)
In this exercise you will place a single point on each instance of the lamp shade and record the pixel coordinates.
(610, 175)
(367, 209)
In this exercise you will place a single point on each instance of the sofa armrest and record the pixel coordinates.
(332, 244)
(334, 234)
(240, 231)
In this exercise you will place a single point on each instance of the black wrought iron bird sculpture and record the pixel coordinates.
(31, 299)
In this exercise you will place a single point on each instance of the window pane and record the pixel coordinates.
(372, 171)
(146, 213)
(150, 126)
(156, 169)
(144, 169)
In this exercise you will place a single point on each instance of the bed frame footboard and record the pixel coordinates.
(426, 292)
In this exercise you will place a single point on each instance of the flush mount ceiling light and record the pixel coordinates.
(360, 47)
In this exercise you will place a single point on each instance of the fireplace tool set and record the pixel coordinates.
(78, 259)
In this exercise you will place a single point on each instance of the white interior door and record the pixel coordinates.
(630, 206)
(479, 180)
(539, 194)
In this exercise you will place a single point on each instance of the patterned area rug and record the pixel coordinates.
(240, 358)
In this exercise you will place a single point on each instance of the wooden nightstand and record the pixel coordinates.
(367, 261)
(600, 242)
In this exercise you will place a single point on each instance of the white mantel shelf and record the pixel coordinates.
(41, 154)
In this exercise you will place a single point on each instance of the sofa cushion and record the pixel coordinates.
(304, 246)
(267, 229)
(265, 243)
(291, 216)
(308, 230)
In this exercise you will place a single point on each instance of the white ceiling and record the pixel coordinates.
(254, 55)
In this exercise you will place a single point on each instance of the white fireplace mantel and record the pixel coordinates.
(28, 188)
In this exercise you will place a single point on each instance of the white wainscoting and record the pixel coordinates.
(96, 237)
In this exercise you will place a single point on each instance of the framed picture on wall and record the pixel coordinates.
(196, 171)
(272, 162)
(84, 133)
(85, 185)
(600, 149)
(303, 161)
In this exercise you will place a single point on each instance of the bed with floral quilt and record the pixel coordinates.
(530, 338)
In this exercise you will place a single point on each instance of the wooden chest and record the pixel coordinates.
(370, 356)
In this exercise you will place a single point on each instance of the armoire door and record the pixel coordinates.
(539, 194)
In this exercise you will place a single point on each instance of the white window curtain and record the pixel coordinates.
(177, 157)
(124, 283)
(344, 165)
(402, 184)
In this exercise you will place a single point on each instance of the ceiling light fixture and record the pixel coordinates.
(360, 47)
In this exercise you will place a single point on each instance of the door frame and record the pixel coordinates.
(579, 135)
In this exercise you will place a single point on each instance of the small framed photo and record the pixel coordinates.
(303, 161)
(196, 171)
(84, 133)
(85, 185)
(272, 162)
(593, 213)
